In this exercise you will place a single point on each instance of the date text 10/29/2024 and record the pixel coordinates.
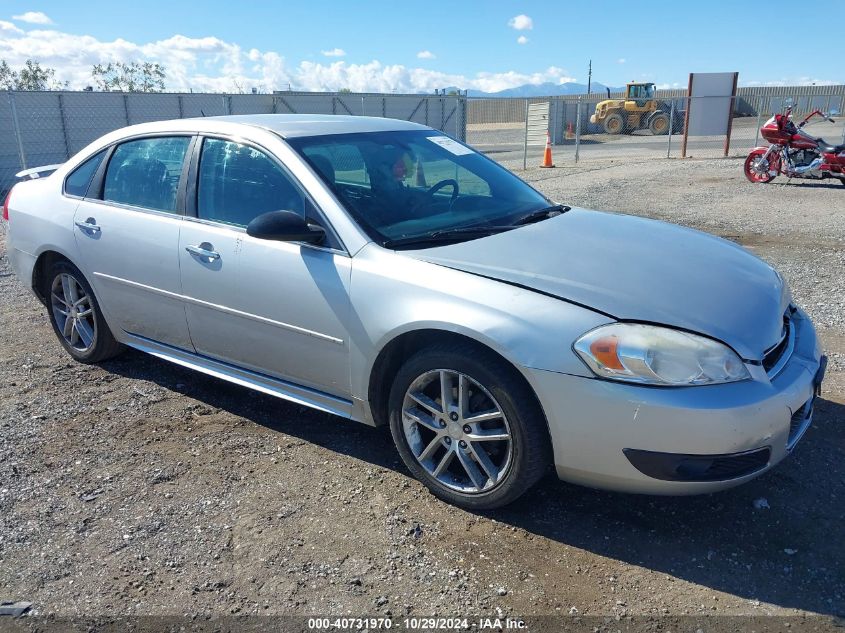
(416, 624)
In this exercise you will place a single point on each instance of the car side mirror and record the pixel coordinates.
(285, 226)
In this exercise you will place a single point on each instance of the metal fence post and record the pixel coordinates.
(362, 106)
(181, 107)
(671, 128)
(757, 126)
(126, 108)
(577, 128)
(464, 116)
(63, 119)
(525, 140)
(21, 153)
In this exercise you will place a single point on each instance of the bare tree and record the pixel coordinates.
(131, 77)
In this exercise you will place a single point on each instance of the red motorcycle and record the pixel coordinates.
(794, 152)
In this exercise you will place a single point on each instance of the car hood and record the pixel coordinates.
(635, 269)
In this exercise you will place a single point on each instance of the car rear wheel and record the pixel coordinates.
(76, 317)
(468, 427)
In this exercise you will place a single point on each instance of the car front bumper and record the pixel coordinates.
(685, 440)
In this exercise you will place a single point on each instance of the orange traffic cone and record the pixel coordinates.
(547, 154)
(569, 133)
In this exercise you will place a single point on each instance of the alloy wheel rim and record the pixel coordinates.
(74, 312)
(457, 431)
(760, 168)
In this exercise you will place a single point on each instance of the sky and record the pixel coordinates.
(416, 46)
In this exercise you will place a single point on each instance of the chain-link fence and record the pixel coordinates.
(586, 127)
(40, 128)
(43, 128)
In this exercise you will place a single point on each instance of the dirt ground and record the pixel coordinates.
(139, 487)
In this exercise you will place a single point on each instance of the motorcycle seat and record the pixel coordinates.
(827, 148)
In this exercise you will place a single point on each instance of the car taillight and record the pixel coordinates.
(6, 206)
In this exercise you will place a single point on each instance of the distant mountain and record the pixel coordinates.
(547, 89)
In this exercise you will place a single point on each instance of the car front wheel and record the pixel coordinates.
(76, 317)
(468, 426)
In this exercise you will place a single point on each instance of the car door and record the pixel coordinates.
(278, 308)
(127, 229)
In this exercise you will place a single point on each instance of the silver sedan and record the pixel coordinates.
(385, 272)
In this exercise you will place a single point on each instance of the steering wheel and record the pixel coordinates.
(449, 182)
(428, 196)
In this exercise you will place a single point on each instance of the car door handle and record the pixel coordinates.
(89, 225)
(199, 251)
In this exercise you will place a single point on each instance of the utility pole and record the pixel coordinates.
(589, 76)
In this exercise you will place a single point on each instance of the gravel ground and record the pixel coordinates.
(138, 487)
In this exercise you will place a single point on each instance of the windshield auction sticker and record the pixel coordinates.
(450, 145)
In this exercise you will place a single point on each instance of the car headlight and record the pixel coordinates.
(653, 355)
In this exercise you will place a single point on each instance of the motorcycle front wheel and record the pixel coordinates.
(757, 168)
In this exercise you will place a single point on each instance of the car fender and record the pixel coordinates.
(41, 220)
(392, 295)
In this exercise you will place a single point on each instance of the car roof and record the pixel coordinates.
(285, 125)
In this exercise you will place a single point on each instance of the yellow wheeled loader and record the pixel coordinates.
(639, 110)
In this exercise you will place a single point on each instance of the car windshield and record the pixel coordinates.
(402, 185)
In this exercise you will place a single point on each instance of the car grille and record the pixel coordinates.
(683, 467)
(775, 356)
(732, 466)
(799, 423)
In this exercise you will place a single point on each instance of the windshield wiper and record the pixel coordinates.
(449, 235)
(542, 214)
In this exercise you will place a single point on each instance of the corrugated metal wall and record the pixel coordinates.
(40, 128)
(511, 110)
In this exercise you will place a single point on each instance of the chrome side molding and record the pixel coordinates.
(253, 380)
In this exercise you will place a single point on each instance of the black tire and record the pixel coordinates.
(103, 344)
(614, 124)
(659, 124)
(530, 453)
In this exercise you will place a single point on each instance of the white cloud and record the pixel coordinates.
(522, 40)
(521, 22)
(426, 55)
(213, 64)
(33, 17)
(8, 27)
(335, 52)
(621, 60)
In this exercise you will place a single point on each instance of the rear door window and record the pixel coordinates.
(79, 180)
(145, 173)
